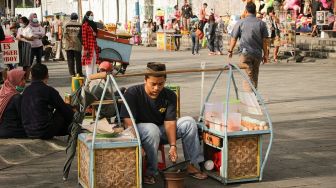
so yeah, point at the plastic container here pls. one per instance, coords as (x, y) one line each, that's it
(234, 105)
(213, 115)
(233, 123)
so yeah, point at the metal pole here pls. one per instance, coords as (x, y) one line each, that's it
(12, 7)
(79, 5)
(117, 1)
(126, 12)
(7, 9)
(137, 13)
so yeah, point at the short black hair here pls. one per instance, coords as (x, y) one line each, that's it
(251, 8)
(39, 71)
(24, 20)
(153, 67)
(270, 9)
(57, 16)
(205, 4)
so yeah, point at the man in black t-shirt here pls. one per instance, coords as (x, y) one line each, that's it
(154, 109)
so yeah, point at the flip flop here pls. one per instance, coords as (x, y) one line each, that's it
(198, 175)
(149, 180)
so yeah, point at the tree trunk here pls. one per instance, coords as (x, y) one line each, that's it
(149, 9)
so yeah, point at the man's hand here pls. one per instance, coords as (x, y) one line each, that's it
(173, 154)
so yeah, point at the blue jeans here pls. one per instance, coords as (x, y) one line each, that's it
(152, 135)
(195, 43)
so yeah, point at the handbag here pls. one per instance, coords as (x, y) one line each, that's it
(199, 34)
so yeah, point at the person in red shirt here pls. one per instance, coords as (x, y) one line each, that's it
(90, 49)
(177, 13)
(203, 12)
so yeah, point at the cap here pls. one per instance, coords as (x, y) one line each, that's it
(105, 66)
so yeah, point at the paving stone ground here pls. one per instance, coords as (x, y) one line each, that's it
(300, 97)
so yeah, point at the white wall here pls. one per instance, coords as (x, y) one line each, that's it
(27, 11)
(56, 6)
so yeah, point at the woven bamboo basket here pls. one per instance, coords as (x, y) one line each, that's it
(113, 167)
(243, 157)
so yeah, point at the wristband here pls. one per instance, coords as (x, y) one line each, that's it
(230, 51)
(173, 145)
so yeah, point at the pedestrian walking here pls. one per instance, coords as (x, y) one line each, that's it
(90, 48)
(36, 44)
(195, 34)
(219, 33)
(211, 34)
(72, 45)
(252, 33)
(273, 37)
(177, 34)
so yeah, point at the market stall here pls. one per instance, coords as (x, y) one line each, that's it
(287, 27)
(165, 40)
(109, 156)
(234, 147)
(234, 131)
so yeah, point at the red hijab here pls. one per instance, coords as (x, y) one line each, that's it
(8, 89)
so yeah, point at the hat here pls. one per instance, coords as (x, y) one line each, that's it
(105, 66)
(74, 16)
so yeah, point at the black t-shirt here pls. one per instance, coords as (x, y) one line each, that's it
(148, 110)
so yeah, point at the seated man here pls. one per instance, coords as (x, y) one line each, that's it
(44, 113)
(154, 109)
(10, 105)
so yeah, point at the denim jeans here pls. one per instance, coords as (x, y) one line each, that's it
(152, 135)
(195, 43)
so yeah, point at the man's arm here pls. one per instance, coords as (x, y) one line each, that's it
(235, 34)
(127, 122)
(264, 36)
(170, 127)
(233, 42)
(265, 57)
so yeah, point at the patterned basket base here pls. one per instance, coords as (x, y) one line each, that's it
(243, 157)
(114, 167)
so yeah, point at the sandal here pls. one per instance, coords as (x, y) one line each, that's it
(195, 173)
(199, 175)
(149, 180)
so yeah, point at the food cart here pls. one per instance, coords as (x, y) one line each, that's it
(234, 144)
(109, 160)
(115, 48)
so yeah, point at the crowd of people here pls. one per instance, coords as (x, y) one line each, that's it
(38, 111)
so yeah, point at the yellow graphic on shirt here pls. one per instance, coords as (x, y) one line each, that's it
(162, 110)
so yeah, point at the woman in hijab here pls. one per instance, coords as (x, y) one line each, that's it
(90, 48)
(10, 105)
(36, 44)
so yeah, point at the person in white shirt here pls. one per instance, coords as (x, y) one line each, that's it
(25, 36)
